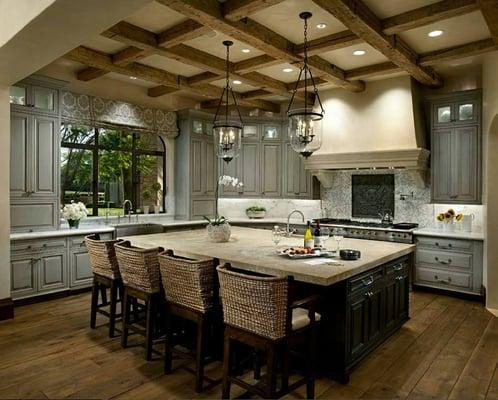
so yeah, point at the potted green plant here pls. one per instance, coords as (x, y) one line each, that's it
(255, 212)
(146, 195)
(156, 189)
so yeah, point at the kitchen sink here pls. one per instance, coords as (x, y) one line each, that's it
(132, 229)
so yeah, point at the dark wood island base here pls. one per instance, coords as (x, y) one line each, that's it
(359, 313)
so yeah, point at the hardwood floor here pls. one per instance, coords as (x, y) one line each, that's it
(448, 349)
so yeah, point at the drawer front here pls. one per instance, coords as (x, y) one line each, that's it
(444, 259)
(399, 268)
(28, 217)
(444, 243)
(37, 245)
(366, 281)
(443, 278)
(77, 243)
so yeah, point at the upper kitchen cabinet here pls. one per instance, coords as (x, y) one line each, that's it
(271, 169)
(36, 94)
(456, 148)
(297, 181)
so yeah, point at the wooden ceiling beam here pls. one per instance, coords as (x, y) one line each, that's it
(181, 32)
(489, 10)
(427, 15)
(332, 42)
(258, 62)
(129, 55)
(359, 19)
(235, 10)
(258, 103)
(90, 73)
(203, 77)
(165, 79)
(209, 13)
(370, 71)
(256, 94)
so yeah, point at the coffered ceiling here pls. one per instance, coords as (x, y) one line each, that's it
(173, 47)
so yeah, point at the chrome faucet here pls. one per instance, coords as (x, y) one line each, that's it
(288, 231)
(129, 209)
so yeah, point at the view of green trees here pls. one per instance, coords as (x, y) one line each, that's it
(114, 165)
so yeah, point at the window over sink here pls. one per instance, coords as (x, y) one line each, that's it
(102, 167)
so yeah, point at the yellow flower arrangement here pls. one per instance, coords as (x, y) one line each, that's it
(449, 215)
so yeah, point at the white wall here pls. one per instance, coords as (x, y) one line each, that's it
(380, 118)
(490, 175)
(4, 193)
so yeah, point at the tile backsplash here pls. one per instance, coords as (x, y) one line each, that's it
(411, 201)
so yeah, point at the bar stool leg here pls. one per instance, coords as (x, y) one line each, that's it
(310, 368)
(256, 364)
(168, 344)
(227, 357)
(285, 368)
(112, 311)
(125, 318)
(199, 373)
(95, 301)
(149, 326)
(103, 292)
(271, 376)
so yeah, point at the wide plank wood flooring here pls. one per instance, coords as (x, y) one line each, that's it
(447, 350)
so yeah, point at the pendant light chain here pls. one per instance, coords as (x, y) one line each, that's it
(305, 64)
(227, 83)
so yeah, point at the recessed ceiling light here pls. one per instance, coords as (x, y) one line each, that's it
(287, 70)
(321, 25)
(359, 52)
(133, 77)
(236, 82)
(436, 33)
(246, 51)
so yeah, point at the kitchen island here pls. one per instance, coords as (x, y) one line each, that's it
(362, 302)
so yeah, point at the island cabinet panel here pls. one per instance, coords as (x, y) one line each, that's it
(360, 313)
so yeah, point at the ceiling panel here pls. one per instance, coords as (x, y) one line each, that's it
(156, 17)
(276, 72)
(212, 43)
(283, 18)
(124, 78)
(457, 30)
(345, 59)
(388, 8)
(170, 65)
(104, 44)
(242, 88)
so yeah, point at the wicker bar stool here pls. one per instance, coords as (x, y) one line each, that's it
(258, 313)
(140, 272)
(191, 292)
(105, 276)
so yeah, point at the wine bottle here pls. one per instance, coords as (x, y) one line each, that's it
(318, 235)
(308, 237)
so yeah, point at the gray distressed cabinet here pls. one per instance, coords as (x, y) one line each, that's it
(34, 161)
(267, 165)
(456, 148)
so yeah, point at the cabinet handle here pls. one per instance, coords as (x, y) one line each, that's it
(368, 294)
(398, 267)
(443, 262)
(400, 278)
(369, 281)
(442, 280)
(454, 196)
(82, 244)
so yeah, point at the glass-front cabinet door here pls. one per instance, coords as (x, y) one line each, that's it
(18, 95)
(466, 112)
(197, 127)
(443, 114)
(250, 132)
(44, 99)
(271, 132)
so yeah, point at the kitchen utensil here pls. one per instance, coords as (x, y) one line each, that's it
(405, 225)
(350, 255)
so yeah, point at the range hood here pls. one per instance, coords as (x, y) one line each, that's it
(382, 127)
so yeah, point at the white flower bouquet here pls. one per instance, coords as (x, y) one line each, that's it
(73, 213)
(227, 180)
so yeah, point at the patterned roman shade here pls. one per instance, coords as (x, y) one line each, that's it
(97, 111)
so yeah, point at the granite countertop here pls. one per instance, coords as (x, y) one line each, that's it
(474, 235)
(252, 249)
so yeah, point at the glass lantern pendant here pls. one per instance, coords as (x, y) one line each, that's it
(227, 131)
(305, 123)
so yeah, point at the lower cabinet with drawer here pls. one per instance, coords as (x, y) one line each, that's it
(449, 264)
(367, 309)
(49, 265)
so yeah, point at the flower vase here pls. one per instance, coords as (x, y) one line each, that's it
(218, 233)
(73, 223)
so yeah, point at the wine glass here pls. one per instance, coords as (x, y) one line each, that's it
(325, 236)
(276, 235)
(338, 239)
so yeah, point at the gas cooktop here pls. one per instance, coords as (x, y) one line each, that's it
(348, 222)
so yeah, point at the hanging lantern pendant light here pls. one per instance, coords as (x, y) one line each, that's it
(305, 130)
(227, 132)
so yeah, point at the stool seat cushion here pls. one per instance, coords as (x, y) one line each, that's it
(300, 318)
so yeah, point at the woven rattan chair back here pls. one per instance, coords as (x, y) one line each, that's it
(102, 256)
(139, 267)
(258, 304)
(188, 282)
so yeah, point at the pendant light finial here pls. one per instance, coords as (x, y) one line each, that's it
(305, 133)
(227, 131)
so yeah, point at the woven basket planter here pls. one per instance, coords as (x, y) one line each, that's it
(218, 233)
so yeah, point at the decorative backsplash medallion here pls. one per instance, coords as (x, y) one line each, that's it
(372, 195)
